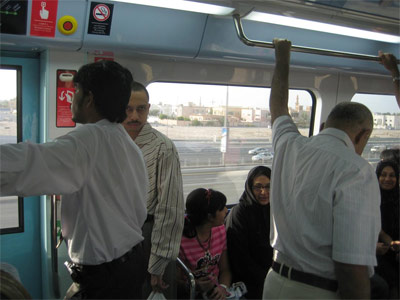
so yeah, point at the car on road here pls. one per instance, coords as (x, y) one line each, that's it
(262, 156)
(378, 148)
(258, 150)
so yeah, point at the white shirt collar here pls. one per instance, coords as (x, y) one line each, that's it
(339, 134)
(103, 121)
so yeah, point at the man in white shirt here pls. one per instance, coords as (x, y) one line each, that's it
(324, 200)
(102, 178)
(165, 206)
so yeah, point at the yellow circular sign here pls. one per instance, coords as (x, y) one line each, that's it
(67, 25)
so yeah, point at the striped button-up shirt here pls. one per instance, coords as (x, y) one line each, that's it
(165, 197)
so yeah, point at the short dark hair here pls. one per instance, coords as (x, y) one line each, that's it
(110, 85)
(137, 86)
(199, 204)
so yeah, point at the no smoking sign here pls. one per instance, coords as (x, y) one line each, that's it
(100, 18)
(101, 12)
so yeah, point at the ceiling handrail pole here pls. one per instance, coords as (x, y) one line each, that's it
(302, 49)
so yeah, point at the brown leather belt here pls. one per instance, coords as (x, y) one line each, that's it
(307, 278)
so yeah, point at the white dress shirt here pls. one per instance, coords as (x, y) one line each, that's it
(324, 201)
(101, 175)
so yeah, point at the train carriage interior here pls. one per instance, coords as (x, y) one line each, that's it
(208, 67)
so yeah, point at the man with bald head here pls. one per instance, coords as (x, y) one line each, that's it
(324, 201)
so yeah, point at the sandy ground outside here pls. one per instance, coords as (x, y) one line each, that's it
(243, 133)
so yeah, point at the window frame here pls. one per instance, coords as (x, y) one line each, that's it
(18, 69)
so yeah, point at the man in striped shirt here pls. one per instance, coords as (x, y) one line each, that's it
(165, 206)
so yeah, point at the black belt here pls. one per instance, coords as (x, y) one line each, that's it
(307, 278)
(119, 260)
(78, 271)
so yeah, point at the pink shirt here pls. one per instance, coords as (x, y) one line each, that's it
(204, 261)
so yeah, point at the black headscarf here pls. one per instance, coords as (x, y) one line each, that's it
(379, 168)
(390, 201)
(248, 196)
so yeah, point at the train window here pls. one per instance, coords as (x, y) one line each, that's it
(386, 114)
(220, 132)
(11, 208)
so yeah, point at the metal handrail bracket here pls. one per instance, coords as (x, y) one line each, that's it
(192, 282)
(318, 51)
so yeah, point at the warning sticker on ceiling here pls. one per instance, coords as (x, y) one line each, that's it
(43, 18)
(65, 94)
(100, 18)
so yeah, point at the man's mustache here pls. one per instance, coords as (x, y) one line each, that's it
(133, 122)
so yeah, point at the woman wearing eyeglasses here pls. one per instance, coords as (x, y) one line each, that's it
(249, 250)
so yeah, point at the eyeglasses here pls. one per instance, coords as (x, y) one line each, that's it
(259, 187)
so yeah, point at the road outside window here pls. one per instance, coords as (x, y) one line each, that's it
(220, 132)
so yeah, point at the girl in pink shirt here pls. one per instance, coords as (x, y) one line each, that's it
(203, 245)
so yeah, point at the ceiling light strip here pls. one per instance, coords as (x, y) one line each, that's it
(309, 50)
(322, 27)
(184, 5)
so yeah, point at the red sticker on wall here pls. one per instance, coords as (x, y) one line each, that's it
(97, 58)
(65, 93)
(43, 17)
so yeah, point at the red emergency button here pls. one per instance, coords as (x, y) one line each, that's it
(67, 25)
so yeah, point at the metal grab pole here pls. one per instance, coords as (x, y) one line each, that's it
(318, 51)
(53, 242)
(189, 274)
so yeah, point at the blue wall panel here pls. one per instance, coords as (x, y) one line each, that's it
(150, 30)
(22, 250)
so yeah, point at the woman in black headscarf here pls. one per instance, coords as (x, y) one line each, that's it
(249, 250)
(388, 246)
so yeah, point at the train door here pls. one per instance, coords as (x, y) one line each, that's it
(57, 70)
(21, 246)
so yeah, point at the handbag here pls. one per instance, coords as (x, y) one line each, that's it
(156, 296)
(236, 290)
